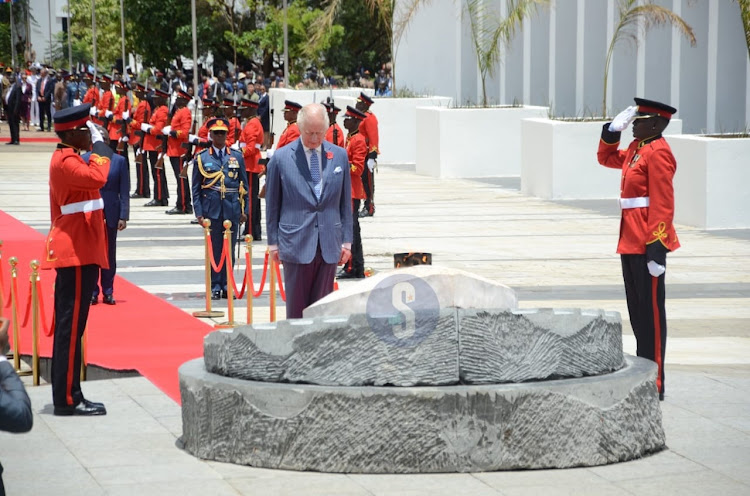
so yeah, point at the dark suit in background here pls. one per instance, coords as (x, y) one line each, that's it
(308, 231)
(13, 111)
(115, 194)
(45, 88)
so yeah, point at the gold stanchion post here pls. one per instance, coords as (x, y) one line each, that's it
(14, 315)
(249, 278)
(208, 313)
(272, 294)
(34, 323)
(230, 287)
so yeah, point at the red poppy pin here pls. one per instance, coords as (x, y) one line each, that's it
(329, 155)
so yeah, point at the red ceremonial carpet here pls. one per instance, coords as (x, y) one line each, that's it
(141, 332)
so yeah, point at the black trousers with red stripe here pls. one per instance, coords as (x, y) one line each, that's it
(161, 193)
(143, 182)
(183, 186)
(648, 317)
(73, 289)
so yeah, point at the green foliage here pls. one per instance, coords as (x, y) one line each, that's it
(58, 56)
(633, 23)
(159, 31)
(492, 34)
(745, 14)
(108, 39)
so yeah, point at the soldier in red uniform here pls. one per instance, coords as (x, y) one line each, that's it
(235, 127)
(154, 145)
(369, 129)
(291, 132)
(646, 230)
(178, 132)
(334, 134)
(356, 149)
(142, 116)
(107, 103)
(251, 141)
(120, 118)
(76, 247)
(92, 95)
(208, 111)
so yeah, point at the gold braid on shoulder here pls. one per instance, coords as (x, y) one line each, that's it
(213, 177)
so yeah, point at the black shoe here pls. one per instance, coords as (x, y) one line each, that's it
(341, 273)
(257, 238)
(10, 143)
(91, 403)
(194, 221)
(175, 211)
(108, 300)
(189, 210)
(153, 203)
(351, 275)
(364, 213)
(215, 295)
(84, 408)
(136, 195)
(225, 295)
(94, 300)
(661, 396)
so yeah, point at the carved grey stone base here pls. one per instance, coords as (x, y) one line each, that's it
(547, 424)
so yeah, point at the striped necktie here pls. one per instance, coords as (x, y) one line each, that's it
(315, 172)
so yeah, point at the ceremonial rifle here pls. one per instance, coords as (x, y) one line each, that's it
(124, 124)
(187, 157)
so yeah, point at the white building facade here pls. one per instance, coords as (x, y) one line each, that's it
(557, 60)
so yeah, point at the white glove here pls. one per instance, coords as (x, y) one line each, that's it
(655, 269)
(146, 127)
(193, 139)
(261, 182)
(125, 139)
(165, 130)
(125, 115)
(76, 102)
(140, 150)
(108, 114)
(371, 164)
(257, 145)
(96, 136)
(235, 146)
(623, 119)
(269, 153)
(92, 111)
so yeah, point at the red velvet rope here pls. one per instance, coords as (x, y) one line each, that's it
(2, 285)
(28, 308)
(240, 293)
(48, 330)
(262, 278)
(211, 256)
(281, 284)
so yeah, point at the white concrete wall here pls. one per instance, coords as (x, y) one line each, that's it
(477, 142)
(710, 183)
(557, 60)
(44, 12)
(559, 159)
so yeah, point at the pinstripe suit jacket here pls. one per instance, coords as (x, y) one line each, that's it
(296, 220)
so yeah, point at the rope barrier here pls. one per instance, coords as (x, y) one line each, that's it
(281, 284)
(211, 256)
(28, 308)
(240, 293)
(262, 278)
(48, 330)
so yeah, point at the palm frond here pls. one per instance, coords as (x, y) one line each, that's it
(403, 17)
(745, 14)
(323, 23)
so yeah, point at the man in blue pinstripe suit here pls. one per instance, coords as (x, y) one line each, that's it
(308, 211)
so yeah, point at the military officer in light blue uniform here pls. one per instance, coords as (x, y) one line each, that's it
(220, 193)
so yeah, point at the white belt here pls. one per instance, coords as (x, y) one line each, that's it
(641, 201)
(82, 206)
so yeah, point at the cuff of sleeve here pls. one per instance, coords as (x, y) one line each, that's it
(610, 137)
(348, 246)
(273, 247)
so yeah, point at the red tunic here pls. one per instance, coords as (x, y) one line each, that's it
(158, 119)
(181, 122)
(77, 238)
(339, 135)
(647, 171)
(356, 149)
(92, 96)
(369, 129)
(142, 115)
(252, 135)
(115, 128)
(235, 129)
(290, 134)
(106, 103)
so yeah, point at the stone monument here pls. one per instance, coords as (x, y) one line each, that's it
(422, 369)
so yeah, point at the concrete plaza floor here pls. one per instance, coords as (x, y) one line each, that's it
(554, 254)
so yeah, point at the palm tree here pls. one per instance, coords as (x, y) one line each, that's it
(492, 34)
(745, 13)
(635, 20)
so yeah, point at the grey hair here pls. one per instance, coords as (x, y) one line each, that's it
(311, 110)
